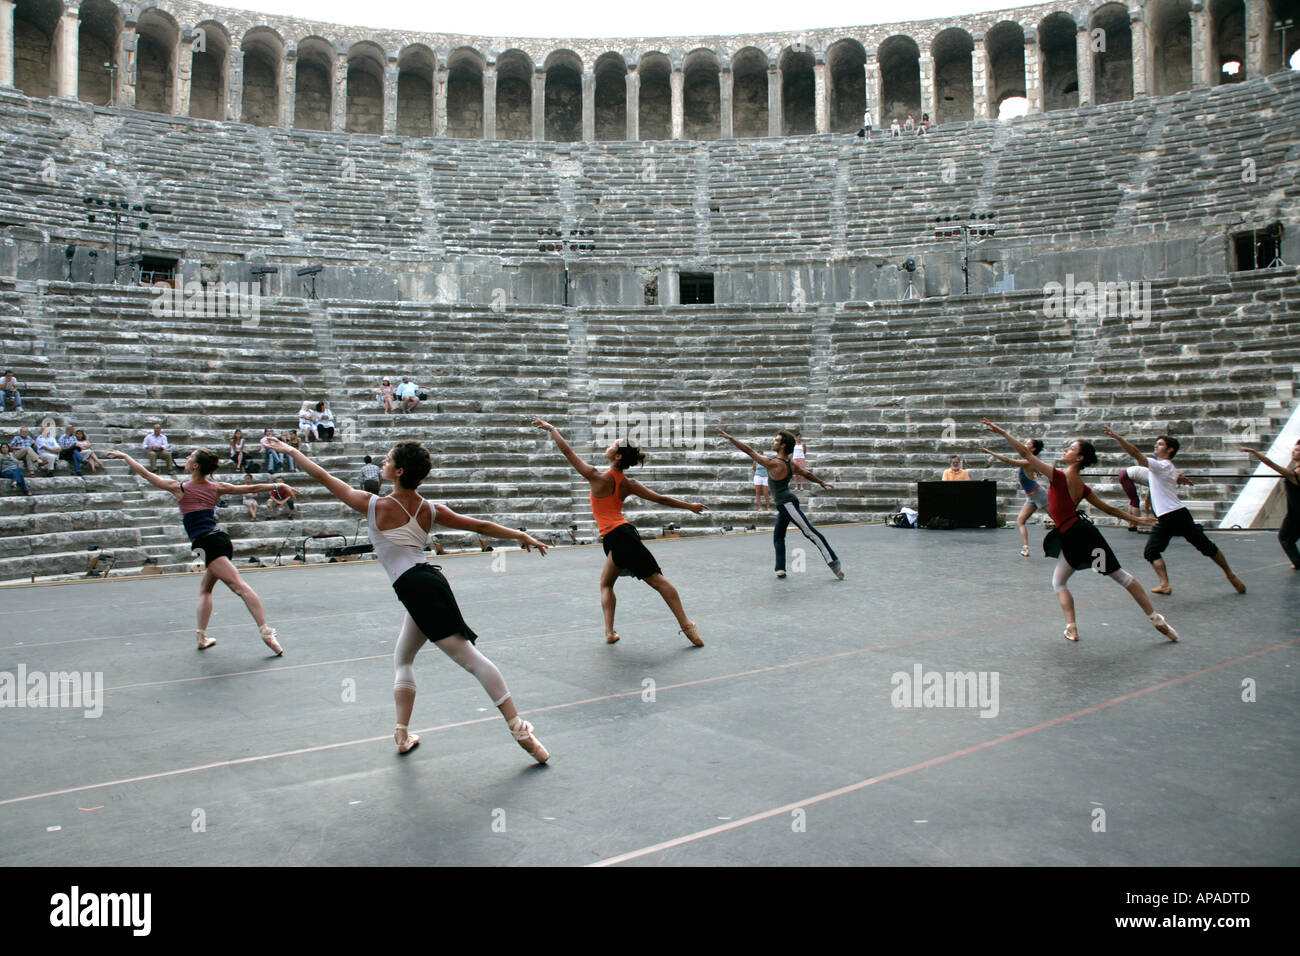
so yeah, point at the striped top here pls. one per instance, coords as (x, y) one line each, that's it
(199, 507)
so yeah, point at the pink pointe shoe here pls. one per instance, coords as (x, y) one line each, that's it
(523, 732)
(405, 742)
(203, 640)
(268, 637)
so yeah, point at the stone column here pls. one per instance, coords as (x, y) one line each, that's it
(1083, 65)
(539, 104)
(288, 88)
(490, 101)
(7, 43)
(127, 56)
(340, 119)
(872, 70)
(979, 80)
(725, 94)
(1259, 30)
(1033, 76)
(1138, 27)
(234, 103)
(1201, 66)
(676, 83)
(821, 102)
(390, 97)
(633, 105)
(440, 78)
(588, 107)
(66, 41)
(183, 75)
(928, 88)
(775, 127)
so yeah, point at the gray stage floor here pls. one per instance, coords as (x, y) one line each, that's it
(778, 742)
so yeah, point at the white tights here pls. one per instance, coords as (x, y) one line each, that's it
(1063, 572)
(457, 648)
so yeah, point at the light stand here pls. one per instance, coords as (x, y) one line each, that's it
(553, 240)
(1281, 26)
(949, 227)
(118, 209)
(910, 267)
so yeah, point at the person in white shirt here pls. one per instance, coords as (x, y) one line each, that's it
(408, 392)
(307, 423)
(865, 132)
(159, 449)
(47, 449)
(1173, 518)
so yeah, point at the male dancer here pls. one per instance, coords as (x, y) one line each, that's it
(779, 471)
(1173, 518)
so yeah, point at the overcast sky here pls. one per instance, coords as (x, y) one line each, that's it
(611, 18)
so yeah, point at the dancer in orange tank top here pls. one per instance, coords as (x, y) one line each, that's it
(623, 547)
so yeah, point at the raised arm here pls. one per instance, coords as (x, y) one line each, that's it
(166, 484)
(581, 467)
(1092, 499)
(1289, 474)
(1032, 460)
(801, 470)
(226, 488)
(635, 487)
(354, 498)
(458, 522)
(1128, 446)
(1010, 461)
(763, 460)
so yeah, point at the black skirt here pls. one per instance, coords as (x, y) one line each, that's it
(624, 545)
(1083, 546)
(427, 597)
(213, 545)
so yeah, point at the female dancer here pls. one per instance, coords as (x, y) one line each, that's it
(1290, 532)
(1081, 544)
(1035, 492)
(623, 547)
(780, 470)
(399, 528)
(198, 503)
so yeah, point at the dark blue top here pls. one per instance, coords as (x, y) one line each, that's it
(1027, 483)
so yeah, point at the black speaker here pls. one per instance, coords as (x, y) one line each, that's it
(967, 504)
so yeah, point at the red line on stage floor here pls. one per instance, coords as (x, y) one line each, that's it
(871, 781)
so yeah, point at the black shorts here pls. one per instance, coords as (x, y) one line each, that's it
(213, 545)
(371, 485)
(1082, 544)
(1178, 523)
(624, 545)
(427, 597)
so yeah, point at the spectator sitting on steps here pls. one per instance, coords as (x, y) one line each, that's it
(47, 447)
(9, 393)
(370, 476)
(69, 451)
(23, 447)
(386, 396)
(955, 471)
(408, 392)
(88, 451)
(158, 447)
(250, 498)
(894, 128)
(271, 459)
(910, 125)
(290, 438)
(307, 424)
(11, 469)
(281, 498)
(324, 421)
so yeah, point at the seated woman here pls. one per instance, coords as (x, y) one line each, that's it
(307, 423)
(88, 455)
(386, 396)
(324, 421)
(250, 498)
(237, 449)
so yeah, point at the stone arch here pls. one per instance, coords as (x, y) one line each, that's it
(1112, 68)
(900, 79)
(798, 91)
(954, 91)
(655, 98)
(157, 36)
(35, 54)
(263, 52)
(1004, 47)
(749, 93)
(847, 85)
(1170, 45)
(1227, 22)
(416, 66)
(465, 93)
(313, 96)
(1057, 61)
(562, 119)
(208, 70)
(610, 94)
(365, 88)
(98, 33)
(701, 95)
(515, 95)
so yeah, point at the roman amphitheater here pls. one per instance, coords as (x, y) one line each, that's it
(687, 230)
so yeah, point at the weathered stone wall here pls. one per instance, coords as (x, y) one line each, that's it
(261, 105)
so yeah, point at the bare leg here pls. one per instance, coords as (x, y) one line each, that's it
(1139, 593)
(229, 574)
(1235, 581)
(409, 642)
(1024, 516)
(205, 607)
(608, 575)
(1063, 596)
(674, 602)
(1163, 573)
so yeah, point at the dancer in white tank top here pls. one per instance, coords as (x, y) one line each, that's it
(432, 613)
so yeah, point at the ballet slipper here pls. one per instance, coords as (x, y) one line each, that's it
(692, 634)
(1237, 583)
(406, 742)
(523, 732)
(1072, 632)
(1163, 626)
(204, 640)
(1162, 589)
(1024, 552)
(268, 636)
(611, 637)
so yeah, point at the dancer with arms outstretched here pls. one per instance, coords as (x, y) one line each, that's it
(1290, 532)
(1035, 492)
(399, 529)
(624, 550)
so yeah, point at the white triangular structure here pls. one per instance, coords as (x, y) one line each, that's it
(1262, 503)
